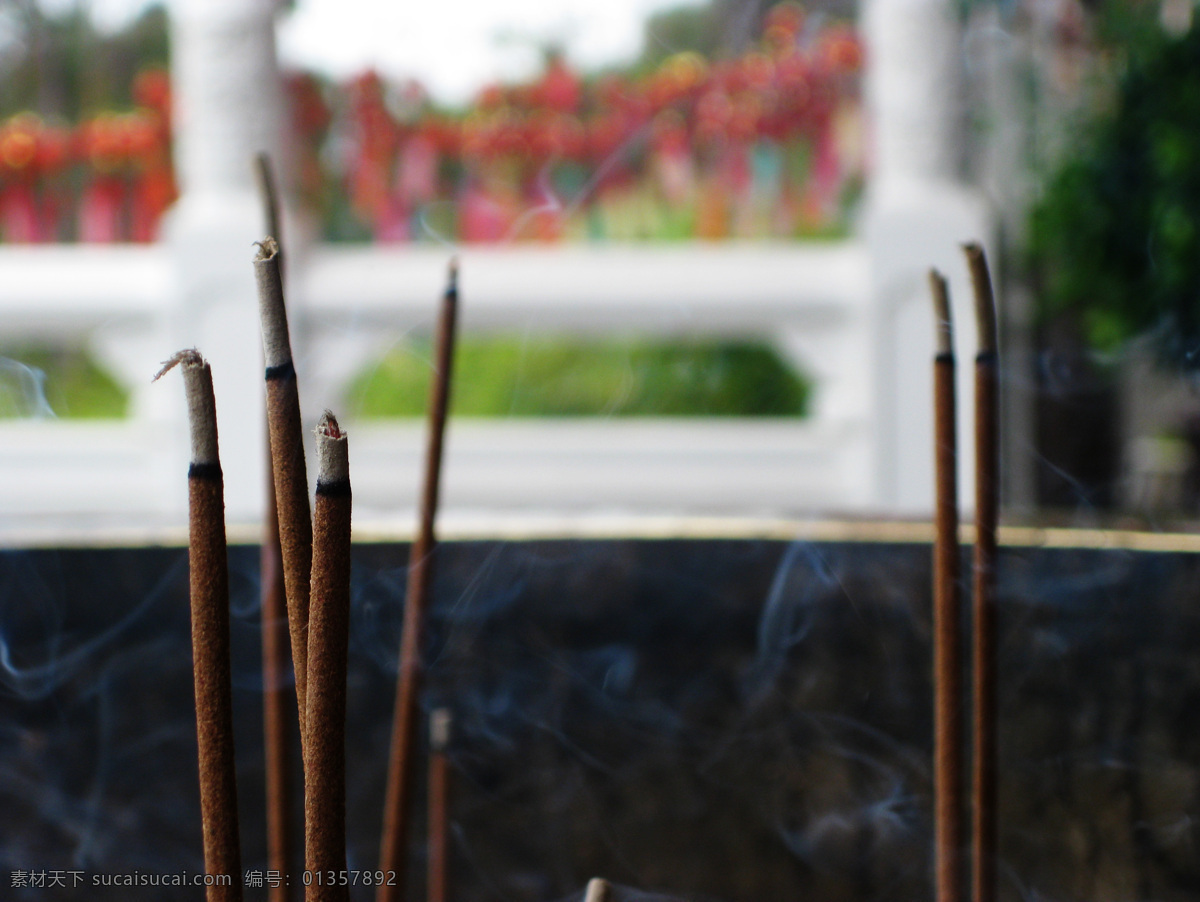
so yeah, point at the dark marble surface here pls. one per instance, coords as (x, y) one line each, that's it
(724, 720)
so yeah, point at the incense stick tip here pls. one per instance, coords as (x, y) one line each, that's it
(333, 457)
(452, 274)
(985, 299)
(327, 427)
(186, 357)
(944, 320)
(268, 249)
(598, 890)
(440, 722)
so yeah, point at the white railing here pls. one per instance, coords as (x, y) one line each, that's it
(856, 314)
(350, 303)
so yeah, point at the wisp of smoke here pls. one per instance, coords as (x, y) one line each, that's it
(23, 389)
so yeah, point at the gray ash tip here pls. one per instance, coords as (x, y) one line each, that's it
(268, 249)
(186, 357)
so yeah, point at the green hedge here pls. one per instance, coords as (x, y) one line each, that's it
(510, 376)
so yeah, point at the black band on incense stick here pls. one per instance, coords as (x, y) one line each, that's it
(204, 471)
(283, 371)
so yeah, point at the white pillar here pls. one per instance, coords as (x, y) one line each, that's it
(918, 215)
(228, 106)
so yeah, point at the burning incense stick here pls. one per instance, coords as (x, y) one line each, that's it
(328, 635)
(209, 582)
(275, 705)
(598, 890)
(287, 455)
(274, 621)
(987, 501)
(399, 782)
(439, 806)
(947, 616)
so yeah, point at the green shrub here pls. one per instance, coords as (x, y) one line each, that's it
(1116, 235)
(547, 377)
(38, 381)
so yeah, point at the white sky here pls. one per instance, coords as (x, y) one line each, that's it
(453, 46)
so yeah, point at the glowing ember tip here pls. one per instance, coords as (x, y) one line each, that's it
(328, 426)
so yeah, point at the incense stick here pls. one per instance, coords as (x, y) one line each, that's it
(275, 651)
(276, 744)
(401, 764)
(328, 635)
(598, 890)
(987, 500)
(947, 615)
(265, 176)
(209, 591)
(287, 455)
(439, 806)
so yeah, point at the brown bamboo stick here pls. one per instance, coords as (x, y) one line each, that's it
(393, 845)
(208, 568)
(948, 738)
(438, 882)
(287, 455)
(275, 652)
(598, 890)
(987, 502)
(328, 637)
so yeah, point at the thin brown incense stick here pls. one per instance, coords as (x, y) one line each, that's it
(265, 175)
(948, 744)
(393, 845)
(287, 455)
(209, 581)
(438, 882)
(987, 502)
(328, 635)
(598, 890)
(275, 651)
(276, 745)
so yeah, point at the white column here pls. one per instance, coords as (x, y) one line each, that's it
(227, 107)
(918, 215)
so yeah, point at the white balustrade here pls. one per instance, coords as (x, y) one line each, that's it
(853, 313)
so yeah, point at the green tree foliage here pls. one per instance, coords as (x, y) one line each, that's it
(1116, 236)
(674, 30)
(63, 67)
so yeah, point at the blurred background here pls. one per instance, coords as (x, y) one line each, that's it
(694, 242)
(685, 645)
